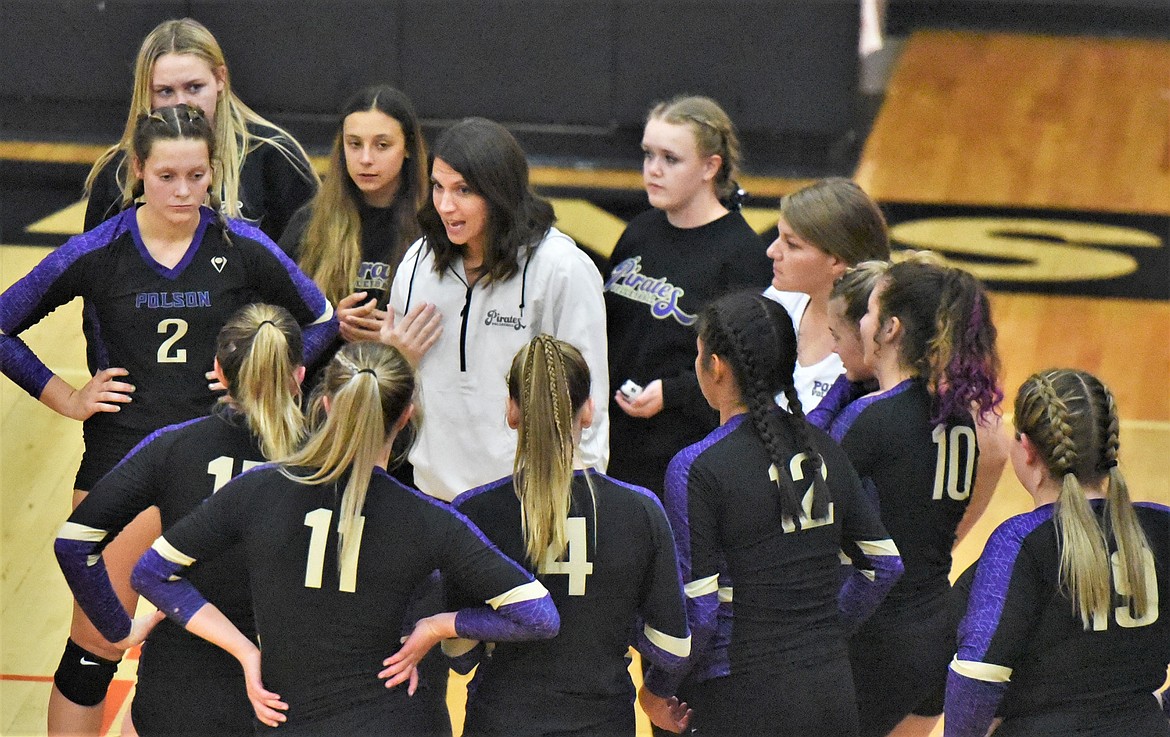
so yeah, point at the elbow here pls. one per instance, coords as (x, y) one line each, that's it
(547, 624)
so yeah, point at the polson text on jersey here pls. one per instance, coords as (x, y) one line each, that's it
(162, 300)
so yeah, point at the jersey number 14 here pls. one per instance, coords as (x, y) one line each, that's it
(576, 564)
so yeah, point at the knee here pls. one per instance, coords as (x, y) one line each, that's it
(82, 676)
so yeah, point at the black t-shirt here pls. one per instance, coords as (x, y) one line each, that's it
(619, 569)
(922, 475)
(660, 277)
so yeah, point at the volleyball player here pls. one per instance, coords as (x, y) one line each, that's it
(928, 336)
(158, 281)
(601, 547)
(692, 246)
(761, 509)
(1063, 633)
(264, 176)
(334, 547)
(185, 685)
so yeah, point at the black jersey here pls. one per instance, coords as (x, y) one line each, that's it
(176, 469)
(158, 323)
(1020, 627)
(923, 475)
(659, 279)
(324, 629)
(619, 568)
(764, 588)
(272, 185)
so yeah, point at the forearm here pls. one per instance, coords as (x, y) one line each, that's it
(864, 590)
(319, 336)
(89, 582)
(58, 395)
(531, 616)
(19, 363)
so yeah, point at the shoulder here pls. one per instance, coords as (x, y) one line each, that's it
(90, 241)
(558, 255)
(481, 494)
(693, 455)
(1005, 542)
(793, 302)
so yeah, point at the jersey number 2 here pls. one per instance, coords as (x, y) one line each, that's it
(957, 445)
(576, 564)
(318, 520)
(165, 354)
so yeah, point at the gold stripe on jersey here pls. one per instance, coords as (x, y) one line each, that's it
(453, 647)
(171, 553)
(528, 592)
(982, 671)
(726, 594)
(326, 316)
(702, 587)
(678, 646)
(84, 533)
(878, 547)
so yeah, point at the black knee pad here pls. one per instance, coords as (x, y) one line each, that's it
(83, 677)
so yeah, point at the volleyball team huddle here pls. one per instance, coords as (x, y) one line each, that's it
(433, 421)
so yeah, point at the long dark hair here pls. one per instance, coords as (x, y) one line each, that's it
(331, 248)
(492, 163)
(754, 335)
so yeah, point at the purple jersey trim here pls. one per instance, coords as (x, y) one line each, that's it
(970, 705)
(205, 215)
(840, 426)
(992, 578)
(472, 493)
(91, 587)
(1153, 505)
(859, 597)
(535, 619)
(315, 337)
(840, 394)
(177, 598)
(457, 514)
(19, 302)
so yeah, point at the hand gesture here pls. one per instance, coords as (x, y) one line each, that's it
(358, 320)
(102, 393)
(403, 665)
(647, 404)
(415, 333)
(668, 714)
(140, 627)
(268, 707)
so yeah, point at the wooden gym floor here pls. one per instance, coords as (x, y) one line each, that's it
(1040, 163)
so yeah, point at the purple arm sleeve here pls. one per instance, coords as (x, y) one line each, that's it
(157, 579)
(91, 587)
(317, 338)
(970, 705)
(701, 616)
(839, 395)
(535, 619)
(860, 597)
(658, 657)
(20, 364)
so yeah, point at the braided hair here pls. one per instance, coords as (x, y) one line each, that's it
(755, 336)
(549, 381)
(1071, 419)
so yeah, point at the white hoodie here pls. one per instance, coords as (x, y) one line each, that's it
(465, 441)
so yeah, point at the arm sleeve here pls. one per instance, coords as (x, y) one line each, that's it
(877, 564)
(518, 606)
(578, 317)
(52, 283)
(663, 637)
(840, 394)
(279, 281)
(1000, 617)
(691, 507)
(113, 503)
(211, 528)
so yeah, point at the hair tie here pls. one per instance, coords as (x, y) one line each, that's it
(1108, 465)
(266, 322)
(736, 199)
(369, 371)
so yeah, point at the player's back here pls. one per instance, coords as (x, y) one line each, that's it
(619, 563)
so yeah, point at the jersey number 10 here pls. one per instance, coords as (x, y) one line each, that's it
(953, 447)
